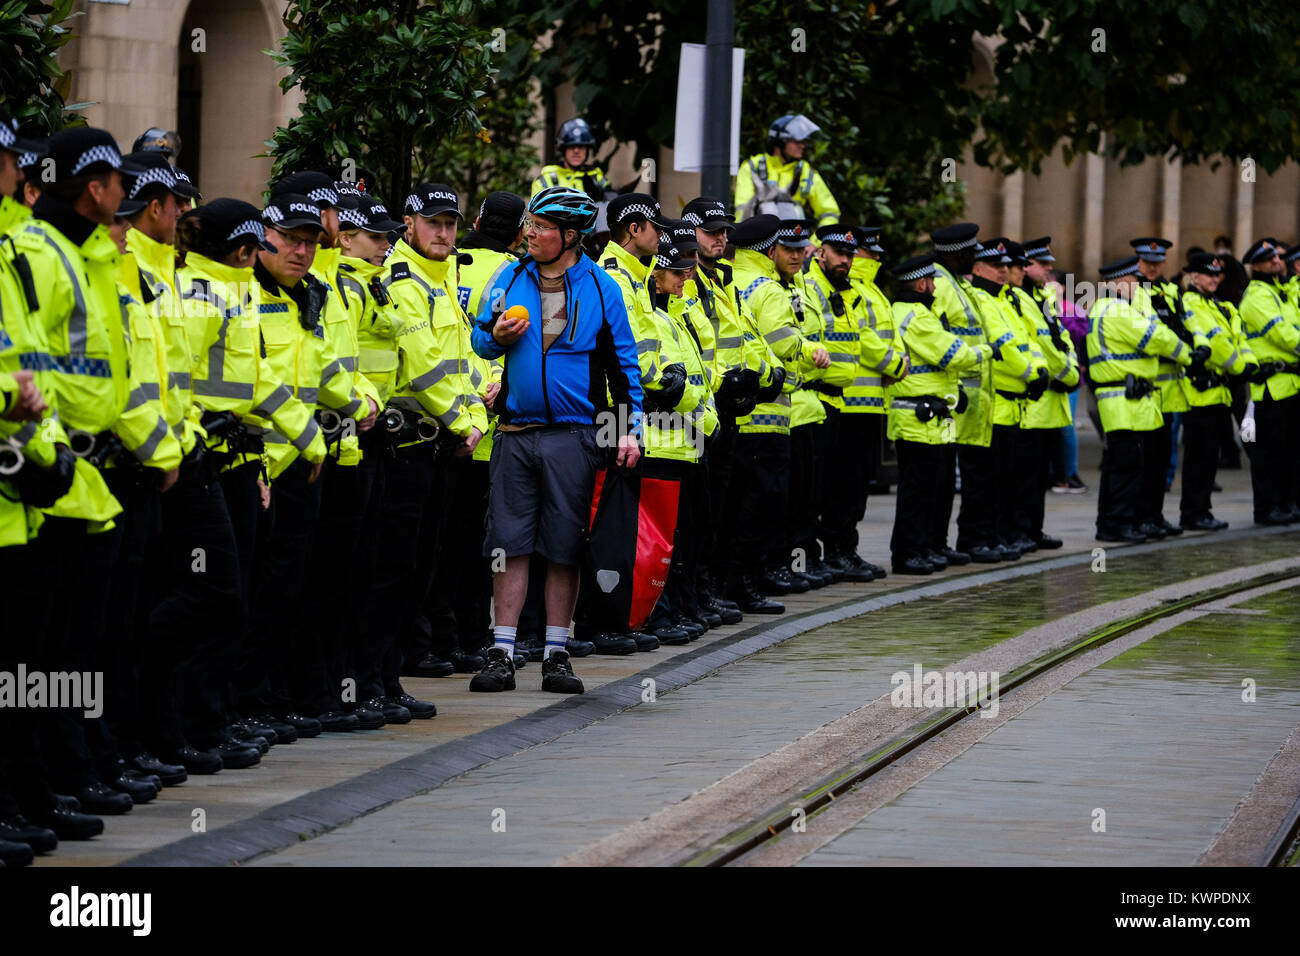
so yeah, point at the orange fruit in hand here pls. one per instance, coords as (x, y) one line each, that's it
(518, 312)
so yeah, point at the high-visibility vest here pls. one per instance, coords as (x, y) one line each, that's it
(1122, 341)
(955, 307)
(1270, 319)
(879, 354)
(1052, 410)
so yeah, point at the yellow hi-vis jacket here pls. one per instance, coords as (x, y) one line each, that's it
(473, 278)
(1220, 324)
(938, 360)
(432, 340)
(879, 357)
(736, 342)
(341, 321)
(1052, 410)
(858, 355)
(146, 427)
(797, 179)
(1269, 316)
(672, 434)
(1169, 375)
(1122, 341)
(805, 405)
(1012, 364)
(954, 306)
(229, 372)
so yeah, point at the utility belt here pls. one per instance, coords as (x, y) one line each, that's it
(401, 426)
(1011, 396)
(101, 449)
(1133, 386)
(835, 391)
(1205, 380)
(227, 427)
(1277, 367)
(926, 407)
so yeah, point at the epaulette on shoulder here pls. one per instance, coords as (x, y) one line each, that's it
(399, 270)
(610, 263)
(726, 271)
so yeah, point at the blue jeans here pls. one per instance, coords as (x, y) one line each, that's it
(1070, 441)
(1176, 430)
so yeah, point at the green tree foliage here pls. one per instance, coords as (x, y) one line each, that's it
(32, 86)
(383, 85)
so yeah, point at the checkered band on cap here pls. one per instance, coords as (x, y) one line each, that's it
(28, 159)
(353, 216)
(693, 219)
(97, 154)
(636, 209)
(761, 246)
(150, 176)
(921, 272)
(665, 258)
(845, 238)
(324, 194)
(273, 214)
(992, 252)
(1292, 255)
(955, 246)
(792, 232)
(249, 227)
(7, 135)
(1037, 252)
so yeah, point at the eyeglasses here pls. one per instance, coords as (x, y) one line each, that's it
(294, 241)
(532, 225)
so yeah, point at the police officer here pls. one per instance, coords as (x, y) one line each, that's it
(1272, 324)
(576, 145)
(1208, 396)
(780, 181)
(920, 417)
(1124, 345)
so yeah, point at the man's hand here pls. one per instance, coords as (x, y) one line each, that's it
(316, 469)
(629, 452)
(470, 443)
(168, 478)
(264, 492)
(490, 398)
(821, 358)
(29, 404)
(509, 330)
(368, 422)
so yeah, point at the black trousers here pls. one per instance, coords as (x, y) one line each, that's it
(692, 524)
(1122, 473)
(941, 509)
(1203, 427)
(759, 500)
(403, 486)
(197, 617)
(1013, 478)
(807, 446)
(458, 610)
(1036, 449)
(1157, 446)
(977, 519)
(715, 548)
(416, 640)
(244, 507)
(339, 574)
(1274, 472)
(854, 459)
(920, 479)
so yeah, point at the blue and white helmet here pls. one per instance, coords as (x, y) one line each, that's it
(574, 132)
(794, 126)
(569, 207)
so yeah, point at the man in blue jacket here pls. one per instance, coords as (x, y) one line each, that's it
(566, 361)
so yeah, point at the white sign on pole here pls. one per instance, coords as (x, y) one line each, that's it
(688, 141)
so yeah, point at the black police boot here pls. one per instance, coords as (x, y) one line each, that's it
(431, 666)
(669, 634)
(69, 824)
(170, 774)
(337, 721)
(936, 560)
(955, 558)
(304, 726)
(769, 582)
(1008, 551)
(1151, 530)
(498, 673)
(531, 648)
(18, 829)
(368, 718)
(1276, 516)
(1125, 534)
(1170, 529)
(1048, 543)
(467, 662)
(693, 629)
(420, 709)
(797, 585)
(855, 572)
(14, 855)
(913, 565)
(138, 790)
(577, 648)
(751, 601)
(236, 755)
(260, 737)
(729, 613)
(558, 676)
(194, 761)
(982, 554)
(100, 800)
(613, 643)
(393, 713)
(285, 732)
(1024, 544)
(644, 642)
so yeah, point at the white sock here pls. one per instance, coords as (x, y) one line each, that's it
(556, 638)
(504, 638)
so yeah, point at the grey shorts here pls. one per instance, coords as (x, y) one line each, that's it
(540, 499)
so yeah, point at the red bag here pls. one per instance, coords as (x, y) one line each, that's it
(629, 547)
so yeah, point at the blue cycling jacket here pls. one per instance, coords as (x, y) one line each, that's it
(596, 352)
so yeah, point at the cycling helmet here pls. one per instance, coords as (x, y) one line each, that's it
(574, 132)
(569, 207)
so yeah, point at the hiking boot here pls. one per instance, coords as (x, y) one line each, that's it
(497, 674)
(558, 676)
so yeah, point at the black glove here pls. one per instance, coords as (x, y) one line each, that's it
(1038, 386)
(41, 487)
(668, 391)
(1200, 355)
(1262, 374)
(1057, 385)
(770, 393)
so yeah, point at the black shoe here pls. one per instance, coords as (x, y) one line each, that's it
(1047, 543)
(813, 578)
(138, 790)
(877, 572)
(1009, 552)
(431, 666)
(1125, 534)
(913, 565)
(820, 569)
(728, 613)
(850, 570)
(797, 584)
(1294, 511)
(558, 676)
(14, 855)
(498, 673)
(100, 800)
(684, 623)
(669, 635)
(983, 555)
(706, 619)
(420, 709)
(1077, 487)
(1215, 487)
(1170, 529)
(836, 564)
(770, 582)
(285, 732)
(304, 726)
(1204, 523)
(955, 558)
(194, 760)
(936, 560)
(245, 734)
(393, 713)
(1024, 544)
(1151, 530)
(18, 829)
(530, 649)
(751, 600)
(1275, 517)
(609, 642)
(70, 824)
(646, 642)
(368, 718)
(170, 774)
(339, 722)
(468, 662)
(237, 756)
(577, 648)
